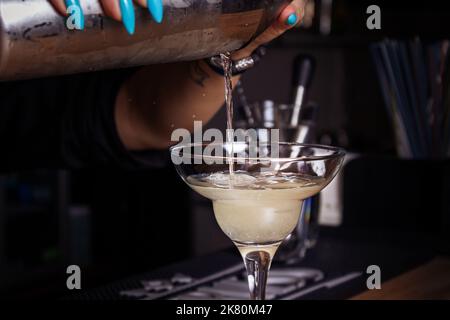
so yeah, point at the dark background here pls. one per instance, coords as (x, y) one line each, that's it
(114, 223)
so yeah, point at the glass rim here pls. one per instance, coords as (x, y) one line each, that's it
(337, 152)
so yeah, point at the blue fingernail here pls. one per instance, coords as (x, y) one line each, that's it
(156, 9)
(128, 19)
(74, 7)
(292, 19)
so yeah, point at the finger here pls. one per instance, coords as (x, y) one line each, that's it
(112, 9)
(290, 16)
(59, 6)
(154, 7)
(287, 19)
(121, 10)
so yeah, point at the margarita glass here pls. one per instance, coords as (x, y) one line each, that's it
(257, 192)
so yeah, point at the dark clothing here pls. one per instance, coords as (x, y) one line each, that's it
(65, 122)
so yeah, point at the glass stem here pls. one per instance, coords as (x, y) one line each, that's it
(257, 264)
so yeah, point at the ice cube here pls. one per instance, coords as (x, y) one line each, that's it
(239, 179)
(219, 179)
(319, 168)
(243, 179)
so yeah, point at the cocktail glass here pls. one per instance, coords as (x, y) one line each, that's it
(258, 205)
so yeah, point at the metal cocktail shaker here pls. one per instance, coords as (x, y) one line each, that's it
(35, 42)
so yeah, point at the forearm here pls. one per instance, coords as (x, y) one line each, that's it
(159, 99)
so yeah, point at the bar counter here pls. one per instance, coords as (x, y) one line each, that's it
(342, 257)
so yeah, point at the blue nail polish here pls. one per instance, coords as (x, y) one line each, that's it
(80, 18)
(292, 19)
(156, 9)
(128, 19)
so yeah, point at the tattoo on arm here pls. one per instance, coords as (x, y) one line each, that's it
(197, 74)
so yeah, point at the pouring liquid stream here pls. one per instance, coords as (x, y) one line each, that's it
(227, 68)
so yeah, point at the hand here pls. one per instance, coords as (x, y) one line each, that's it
(288, 18)
(120, 10)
